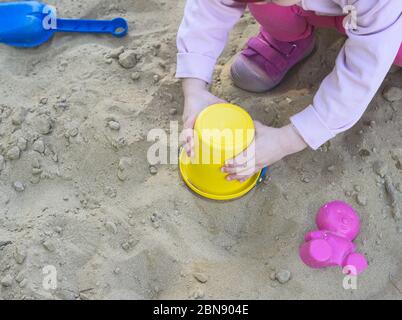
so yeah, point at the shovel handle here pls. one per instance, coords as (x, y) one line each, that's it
(263, 175)
(117, 27)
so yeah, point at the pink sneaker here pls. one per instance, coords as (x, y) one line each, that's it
(265, 62)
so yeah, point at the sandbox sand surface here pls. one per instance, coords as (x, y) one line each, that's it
(77, 192)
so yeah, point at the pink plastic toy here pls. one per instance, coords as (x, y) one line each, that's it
(331, 245)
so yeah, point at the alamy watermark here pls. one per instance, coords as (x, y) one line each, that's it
(210, 146)
(350, 21)
(49, 281)
(50, 20)
(350, 280)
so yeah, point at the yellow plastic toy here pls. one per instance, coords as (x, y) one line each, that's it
(221, 132)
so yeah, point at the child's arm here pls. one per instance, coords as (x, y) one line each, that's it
(360, 69)
(196, 98)
(345, 94)
(202, 36)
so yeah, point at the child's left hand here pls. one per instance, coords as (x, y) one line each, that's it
(270, 145)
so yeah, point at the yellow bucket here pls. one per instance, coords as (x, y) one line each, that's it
(221, 132)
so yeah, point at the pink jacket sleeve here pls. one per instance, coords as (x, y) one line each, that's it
(203, 35)
(360, 69)
(343, 96)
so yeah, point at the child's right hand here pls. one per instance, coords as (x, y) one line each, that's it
(196, 98)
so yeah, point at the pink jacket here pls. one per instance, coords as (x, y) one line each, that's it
(344, 94)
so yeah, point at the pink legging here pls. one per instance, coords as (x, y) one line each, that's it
(293, 23)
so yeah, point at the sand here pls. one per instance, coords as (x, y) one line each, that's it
(77, 192)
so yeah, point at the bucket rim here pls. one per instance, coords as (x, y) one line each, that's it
(254, 182)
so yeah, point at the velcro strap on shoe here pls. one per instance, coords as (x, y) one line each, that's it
(270, 53)
(286, 48)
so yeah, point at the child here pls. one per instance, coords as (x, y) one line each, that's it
(374, 30)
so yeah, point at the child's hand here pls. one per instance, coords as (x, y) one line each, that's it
(196, 99)
(270, 145)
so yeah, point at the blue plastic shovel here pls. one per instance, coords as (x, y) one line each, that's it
(30, 23)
